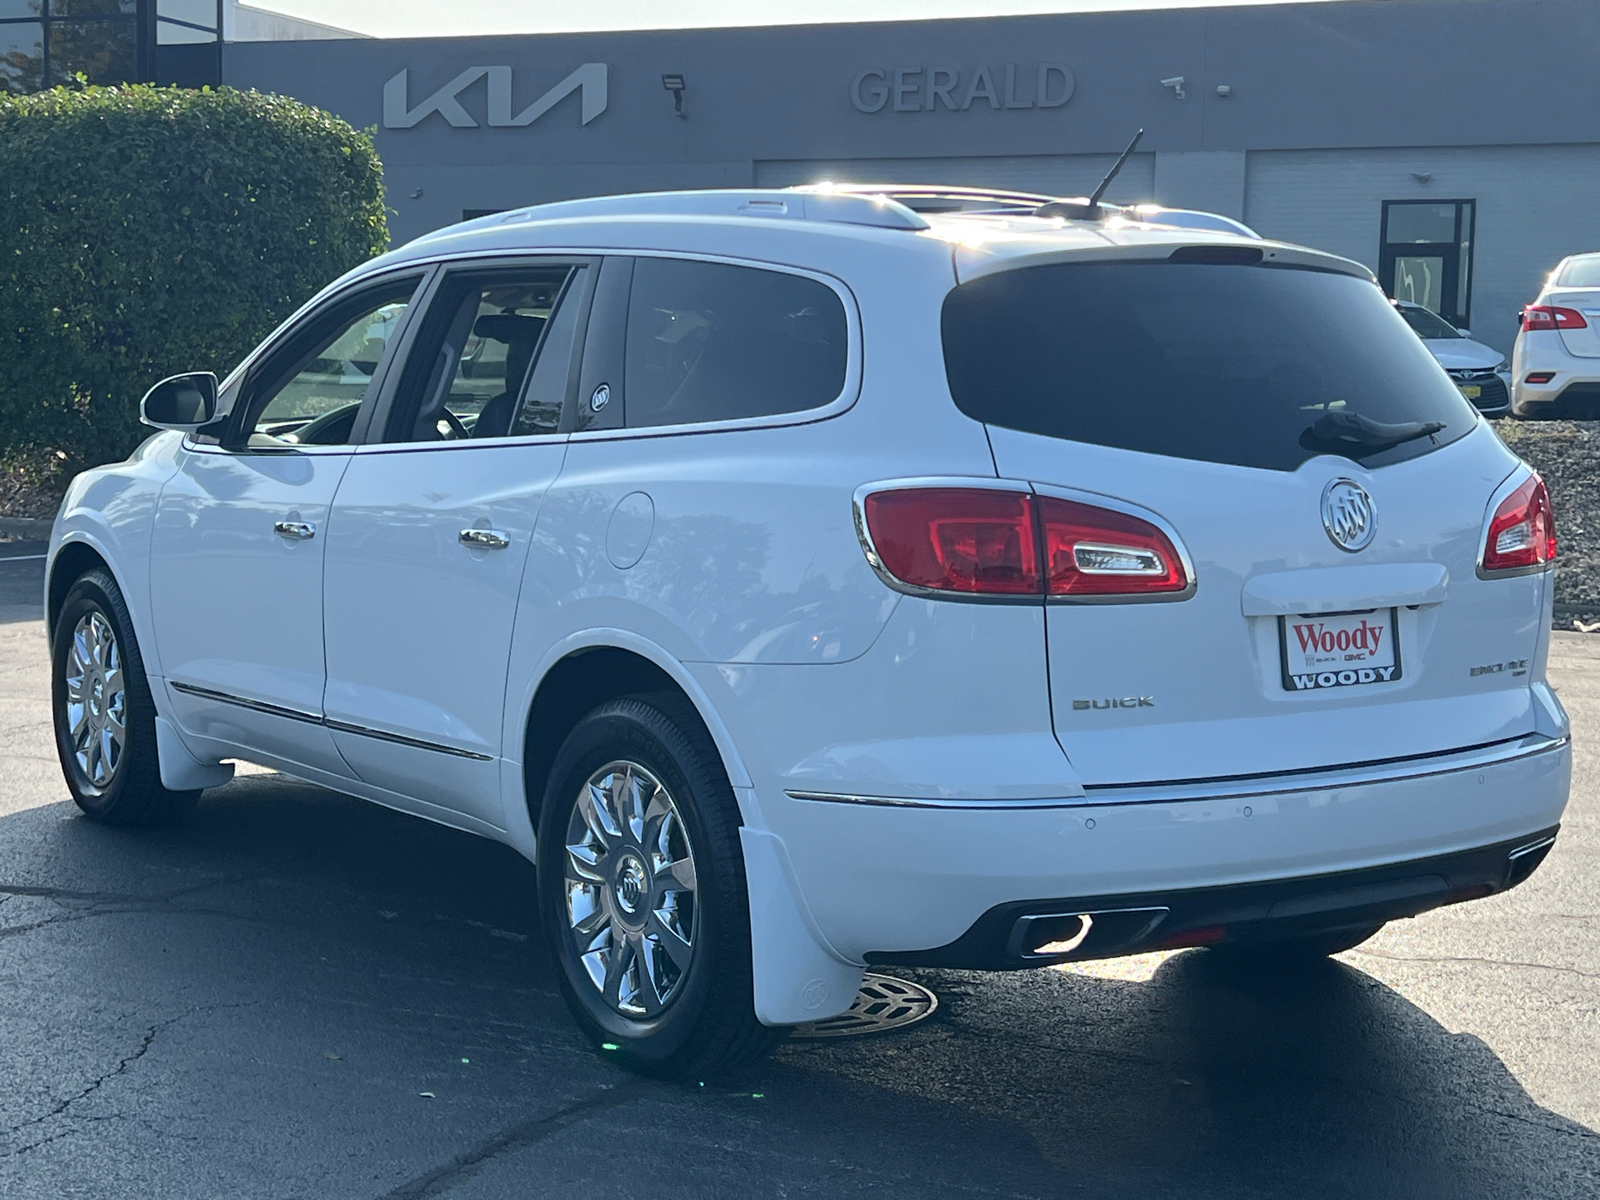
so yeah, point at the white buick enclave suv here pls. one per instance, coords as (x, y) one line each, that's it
(805, 582)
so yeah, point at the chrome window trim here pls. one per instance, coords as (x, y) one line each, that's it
(310, 718)
(845, 401)
(529, 439)
(1450, 762)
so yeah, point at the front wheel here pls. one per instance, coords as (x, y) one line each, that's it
(642, 891)
(104, 715)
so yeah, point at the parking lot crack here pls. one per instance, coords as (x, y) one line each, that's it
(63, 1107)
(464, 1166)
(93, 1086)
(1471, 960)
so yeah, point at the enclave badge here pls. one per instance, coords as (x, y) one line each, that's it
(1349, 515)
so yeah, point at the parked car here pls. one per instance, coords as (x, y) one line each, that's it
(1556, 358)
(1482, 373)
(827, 585)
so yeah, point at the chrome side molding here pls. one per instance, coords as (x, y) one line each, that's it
(294, 714)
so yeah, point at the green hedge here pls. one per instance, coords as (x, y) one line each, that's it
(147, 231)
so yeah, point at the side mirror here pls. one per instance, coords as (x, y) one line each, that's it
(184, 402)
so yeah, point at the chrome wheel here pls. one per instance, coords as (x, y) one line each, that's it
(96, 702)
(631, 889)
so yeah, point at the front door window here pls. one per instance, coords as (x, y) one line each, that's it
(309, 392)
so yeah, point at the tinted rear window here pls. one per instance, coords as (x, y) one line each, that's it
(1256, 366)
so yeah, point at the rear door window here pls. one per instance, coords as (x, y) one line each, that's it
(492, 357)
(1250, 365)
(716, 342)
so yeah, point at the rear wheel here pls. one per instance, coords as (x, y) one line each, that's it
(104, 715)
(1292, 950)
(642, 892)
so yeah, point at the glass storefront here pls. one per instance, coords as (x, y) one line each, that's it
(46, 43)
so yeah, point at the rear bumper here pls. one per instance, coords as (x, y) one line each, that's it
(887, 883)
(1037, 933)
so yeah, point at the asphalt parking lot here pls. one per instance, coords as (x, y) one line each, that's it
(300, 995)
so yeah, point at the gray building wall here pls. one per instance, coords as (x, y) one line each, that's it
(1329, 110)
(1536, 204)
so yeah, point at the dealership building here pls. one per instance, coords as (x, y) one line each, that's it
(1451, 145)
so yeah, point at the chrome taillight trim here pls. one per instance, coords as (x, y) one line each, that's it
(1510, 484)
(1094, 499)
(864, 535)
(1139, 512)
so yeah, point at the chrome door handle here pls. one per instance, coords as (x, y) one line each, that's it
(297, 530)
(485, 539)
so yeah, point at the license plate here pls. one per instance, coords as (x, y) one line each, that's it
(1339, 650)
(1470, 390)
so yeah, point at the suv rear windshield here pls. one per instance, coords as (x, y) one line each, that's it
(1256, 366)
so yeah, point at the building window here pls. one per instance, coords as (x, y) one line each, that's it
(187, 22)
(45, 43)
(1426, 255)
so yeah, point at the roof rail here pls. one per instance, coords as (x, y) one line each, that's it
(935, 198)
(874, 210)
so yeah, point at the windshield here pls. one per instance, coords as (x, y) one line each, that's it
(1583, 271)
(1255, 366)
(1428, 325)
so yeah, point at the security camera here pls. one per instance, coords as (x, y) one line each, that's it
(1176, 84)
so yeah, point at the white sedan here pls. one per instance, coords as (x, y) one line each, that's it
(1556, 360)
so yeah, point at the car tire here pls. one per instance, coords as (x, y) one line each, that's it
(642, 892)
(103, 712)
(1296, 949)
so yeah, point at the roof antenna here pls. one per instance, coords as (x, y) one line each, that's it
(1081, 208)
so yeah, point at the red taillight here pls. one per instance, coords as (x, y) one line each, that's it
(986, 541)
(975, 540)
(1522, 532)
(1540, 376)
(1092, 551)
(1544, 317)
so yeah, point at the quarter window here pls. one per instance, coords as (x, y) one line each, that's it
(716, 342)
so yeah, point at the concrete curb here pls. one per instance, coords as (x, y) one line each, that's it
(29, 528)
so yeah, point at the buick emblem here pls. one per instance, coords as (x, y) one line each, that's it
(1349, 515)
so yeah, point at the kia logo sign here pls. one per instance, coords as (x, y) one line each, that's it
(589, 80)
(1349, 515)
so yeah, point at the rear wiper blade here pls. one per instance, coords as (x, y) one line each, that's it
(1353, 435)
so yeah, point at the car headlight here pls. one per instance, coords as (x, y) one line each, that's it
(1503, 365)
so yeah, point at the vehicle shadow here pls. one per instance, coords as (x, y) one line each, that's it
(334, 957)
